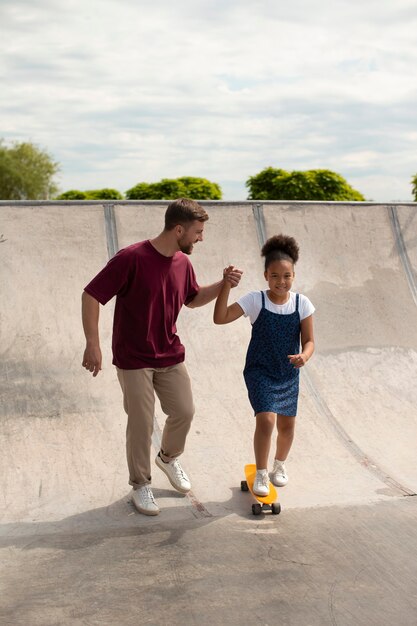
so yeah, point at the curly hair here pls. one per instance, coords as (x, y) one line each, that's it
(280, 248)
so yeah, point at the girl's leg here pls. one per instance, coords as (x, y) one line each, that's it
(285, 437)
(265, 423)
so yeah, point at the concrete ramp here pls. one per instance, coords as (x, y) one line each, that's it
(63, 472)
(357, 414)
(58, 430)
(362, 380)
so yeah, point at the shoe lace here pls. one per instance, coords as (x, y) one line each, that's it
(148, 495)
(280, 469)
(178, 470)
(262, 479)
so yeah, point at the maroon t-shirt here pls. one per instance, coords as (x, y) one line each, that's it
(151, 289)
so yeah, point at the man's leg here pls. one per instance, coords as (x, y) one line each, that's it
(139, 404)
(173, 388)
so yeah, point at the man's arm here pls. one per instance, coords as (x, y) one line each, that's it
(210, 292)
(90, 316)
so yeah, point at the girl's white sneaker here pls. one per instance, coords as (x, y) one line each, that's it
(279, 476)
(261, 483)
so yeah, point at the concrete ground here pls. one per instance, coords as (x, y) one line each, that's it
(344, 549)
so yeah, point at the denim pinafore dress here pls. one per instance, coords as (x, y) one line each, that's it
(272, 381)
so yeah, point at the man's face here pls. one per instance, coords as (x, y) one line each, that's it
(189, 235)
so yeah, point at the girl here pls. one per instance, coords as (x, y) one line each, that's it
(279, 317)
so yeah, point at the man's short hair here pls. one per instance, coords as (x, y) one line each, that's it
(184, 211)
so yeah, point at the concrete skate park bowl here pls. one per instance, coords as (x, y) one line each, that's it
(344, 549)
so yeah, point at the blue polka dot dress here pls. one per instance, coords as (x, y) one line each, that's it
(272, 381)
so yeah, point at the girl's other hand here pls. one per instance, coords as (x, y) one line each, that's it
(298, 360)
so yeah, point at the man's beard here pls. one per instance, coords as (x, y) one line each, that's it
(186, 249)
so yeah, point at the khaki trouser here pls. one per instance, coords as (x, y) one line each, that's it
(173, 387)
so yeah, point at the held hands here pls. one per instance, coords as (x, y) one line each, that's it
(232, 275)
(298, 360)
(92, 359)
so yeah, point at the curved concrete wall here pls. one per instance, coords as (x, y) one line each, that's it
(62, 432)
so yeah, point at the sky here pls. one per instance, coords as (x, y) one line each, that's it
(126, 91)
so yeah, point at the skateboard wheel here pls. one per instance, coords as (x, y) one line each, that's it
(276, 508)
(256, 509)
(244, 485)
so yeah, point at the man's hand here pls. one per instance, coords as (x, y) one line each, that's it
(90, 315)
(232, 275)
(92, 359)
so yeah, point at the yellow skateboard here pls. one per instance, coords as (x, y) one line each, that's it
(263, 503)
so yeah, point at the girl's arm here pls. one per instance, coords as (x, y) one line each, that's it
(208, 293)
(224, 314)
(307, 343)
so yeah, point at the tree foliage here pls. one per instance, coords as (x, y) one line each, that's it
(414, 183)
(92, 194)
(104, 194)
(320, 185)
(26, 172)
(72, 194)
(171, 188)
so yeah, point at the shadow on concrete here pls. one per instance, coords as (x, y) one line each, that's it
(121, 519)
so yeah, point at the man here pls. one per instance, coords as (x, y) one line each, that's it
(152, 280)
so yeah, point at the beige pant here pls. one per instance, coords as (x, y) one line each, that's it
(173, 387)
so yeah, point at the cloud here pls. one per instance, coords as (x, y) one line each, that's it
(122, 91)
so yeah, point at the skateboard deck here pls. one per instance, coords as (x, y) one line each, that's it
(263, 503)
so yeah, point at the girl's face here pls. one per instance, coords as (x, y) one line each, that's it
(280, 276)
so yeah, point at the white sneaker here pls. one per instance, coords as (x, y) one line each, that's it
(144, 501)
(261, 483)
(176, 475)
(279, 474)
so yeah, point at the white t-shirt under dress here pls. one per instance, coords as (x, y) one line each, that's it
(251, 304)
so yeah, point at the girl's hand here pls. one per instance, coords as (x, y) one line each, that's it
(232, 275)
(298, 360)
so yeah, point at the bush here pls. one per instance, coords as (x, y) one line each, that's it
(414, 183)
(201, 188)
(72, 194)
(171, 188)
(320, 185)
(104, 194)
(92, 194)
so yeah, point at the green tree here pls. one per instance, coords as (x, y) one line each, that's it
(92, 194)
(201, 188)
(320, 185)
(72, 194)
(414, 183)
(171, 188)
(104, 194)
(141, 191)
(26, 172)
(166, 189)
(262, 185)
